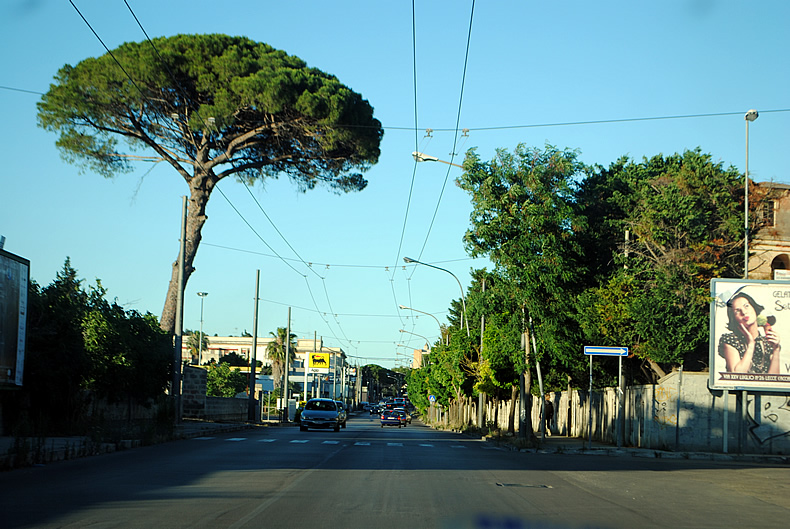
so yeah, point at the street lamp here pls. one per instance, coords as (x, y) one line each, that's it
(463, 302)
(200, 340)
(750, 116)
(403, 307)
(422, 157)
(427, 342)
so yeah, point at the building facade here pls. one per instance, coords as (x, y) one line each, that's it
(769, 252)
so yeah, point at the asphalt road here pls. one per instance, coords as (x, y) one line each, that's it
(368, 477)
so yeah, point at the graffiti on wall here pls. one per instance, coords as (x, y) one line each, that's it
(772, 419)
(664, 400)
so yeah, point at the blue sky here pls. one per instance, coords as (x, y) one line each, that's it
(573, 74)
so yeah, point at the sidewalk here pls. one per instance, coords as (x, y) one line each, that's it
(557, 444)
(33, 451)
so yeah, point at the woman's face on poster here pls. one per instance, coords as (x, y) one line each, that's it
(743, 311)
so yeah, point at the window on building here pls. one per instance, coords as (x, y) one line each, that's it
(769, 213)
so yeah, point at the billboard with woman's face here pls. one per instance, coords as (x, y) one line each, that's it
(750, 335)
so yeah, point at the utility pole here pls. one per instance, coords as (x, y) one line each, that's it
(253, 357)
(179, 320)
(481, 397)
(287, 363)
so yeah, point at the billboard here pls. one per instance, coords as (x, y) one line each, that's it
(750, 335)
(14, 279)
(318, 363)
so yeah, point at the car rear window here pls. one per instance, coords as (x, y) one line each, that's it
(320, 405)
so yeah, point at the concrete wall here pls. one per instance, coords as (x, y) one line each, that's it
(680, 413)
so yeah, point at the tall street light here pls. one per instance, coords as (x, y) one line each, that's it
(422, 157)
(750, 116)
(427, 341)
(404, 307)
(463, 302)
(200, 341)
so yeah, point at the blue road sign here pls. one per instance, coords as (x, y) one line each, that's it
(605, 351)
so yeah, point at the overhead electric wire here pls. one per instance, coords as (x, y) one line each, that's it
(455, 139)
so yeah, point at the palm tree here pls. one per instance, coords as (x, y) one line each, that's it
(276, 351)
(193, 342)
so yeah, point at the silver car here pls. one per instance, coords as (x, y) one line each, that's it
(320, 413)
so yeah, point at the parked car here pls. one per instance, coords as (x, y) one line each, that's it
(406, 415)
(320, 413)
(391, 418)
(341, 409)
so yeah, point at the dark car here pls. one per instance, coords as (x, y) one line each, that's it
(320, 413)
(392, 418)
(341, 408)
(406, 415)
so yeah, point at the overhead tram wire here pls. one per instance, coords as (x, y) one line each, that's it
(175, 80)
(414, 167)
(455, 138)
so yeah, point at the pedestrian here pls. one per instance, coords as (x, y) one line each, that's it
(548, 414)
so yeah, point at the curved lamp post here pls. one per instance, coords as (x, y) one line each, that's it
(750, 116)
(427, 341)
(463, 302)
(422, 157)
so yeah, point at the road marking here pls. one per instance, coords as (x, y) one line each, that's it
(237, 439)
(330, 442)
(457, 446)
(427, 445)
(394, 444)
(203, 438)
(266, 440)
(361, 443)
(301, 441)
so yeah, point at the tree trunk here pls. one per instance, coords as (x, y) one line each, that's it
(511, 420)
(200, 190)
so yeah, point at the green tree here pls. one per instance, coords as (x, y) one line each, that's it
(56, 359)
(276, 350)
(211, 106)
(82, 346)
(195, 346)
(526, 219)
(224, 381)
(684, 219)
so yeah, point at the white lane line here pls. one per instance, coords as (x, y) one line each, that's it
(237, 439)
(301, 441)
(394, 444)
(361, 443)
(426, 445)
(457, 446)
(266, 440)
(203, 438)
(330, 442)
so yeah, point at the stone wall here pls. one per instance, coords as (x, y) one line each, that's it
(196, 405)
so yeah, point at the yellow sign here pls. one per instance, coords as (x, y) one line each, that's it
(318, 362)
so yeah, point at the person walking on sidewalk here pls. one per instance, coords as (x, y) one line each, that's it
(548, 414)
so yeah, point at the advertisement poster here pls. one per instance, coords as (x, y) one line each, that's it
(750, 335)
(14, 277)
